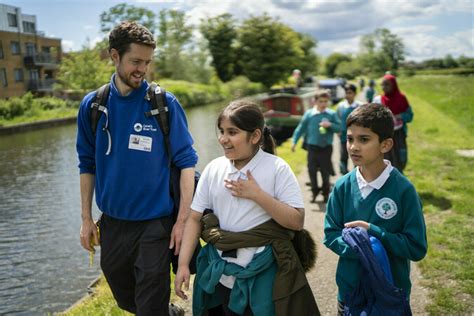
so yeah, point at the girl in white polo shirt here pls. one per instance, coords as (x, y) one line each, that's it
(246, 187)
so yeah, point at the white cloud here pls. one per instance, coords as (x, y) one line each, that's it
(338, 24)
(422, 46)
(67, 45)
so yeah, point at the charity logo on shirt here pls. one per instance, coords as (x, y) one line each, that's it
(386, 208)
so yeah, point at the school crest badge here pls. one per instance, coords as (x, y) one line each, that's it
(386, 208)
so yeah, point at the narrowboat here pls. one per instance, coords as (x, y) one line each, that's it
(283, 109)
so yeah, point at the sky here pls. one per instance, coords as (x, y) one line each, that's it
(428, 28)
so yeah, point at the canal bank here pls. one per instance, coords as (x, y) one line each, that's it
(27, 127)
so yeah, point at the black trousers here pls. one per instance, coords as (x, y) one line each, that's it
(319, 158)
(344, 159)
(135, 259)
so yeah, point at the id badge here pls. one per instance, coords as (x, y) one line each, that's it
(138, 142)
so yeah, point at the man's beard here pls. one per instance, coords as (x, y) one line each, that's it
(128, 82)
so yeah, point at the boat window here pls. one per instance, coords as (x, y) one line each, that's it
(282, 104)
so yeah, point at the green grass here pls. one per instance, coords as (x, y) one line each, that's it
(296, 160)
(101, 302)
(40, 116)
(443, 122)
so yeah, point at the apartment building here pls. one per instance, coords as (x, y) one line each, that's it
(29, 60)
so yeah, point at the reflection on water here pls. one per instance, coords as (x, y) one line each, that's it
(42, 265)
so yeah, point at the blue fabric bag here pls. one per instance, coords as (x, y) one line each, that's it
(375, 294)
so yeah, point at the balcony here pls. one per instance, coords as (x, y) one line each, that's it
(38, 85)
(41, 60)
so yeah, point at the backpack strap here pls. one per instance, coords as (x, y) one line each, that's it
(99, 105)
(159, 109)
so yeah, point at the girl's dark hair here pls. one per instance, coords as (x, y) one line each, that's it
(374, 116)
(127, 33)
(247, 116)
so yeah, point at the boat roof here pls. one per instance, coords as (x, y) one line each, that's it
(329, 82)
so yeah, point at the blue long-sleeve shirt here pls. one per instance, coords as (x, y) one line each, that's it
(132, 182)
(309, 127)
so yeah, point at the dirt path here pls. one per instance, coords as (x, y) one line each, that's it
(322, 277)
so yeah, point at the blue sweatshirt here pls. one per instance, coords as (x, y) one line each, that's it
(396, 219)
(309, 126)
(132, 181)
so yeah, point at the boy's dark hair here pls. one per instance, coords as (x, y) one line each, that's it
(247, 116)
(323, 93)
(127, 33)
(351, 87)
(374, 116)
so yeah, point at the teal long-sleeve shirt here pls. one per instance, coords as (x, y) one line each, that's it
(396, 219)
(309, 127)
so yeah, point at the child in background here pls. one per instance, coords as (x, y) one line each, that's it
(344, 108)
(402, 114)
(370, 91)
(245, 189)
(376, 197)
(318, 125)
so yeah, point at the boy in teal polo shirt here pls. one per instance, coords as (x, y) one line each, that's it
(318, 125)
(376, 197)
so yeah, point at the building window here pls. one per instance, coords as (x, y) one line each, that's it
(15, 47)
(30, 49)
(12, 20)
(18, 75)
(1, 50)
(29, 27)
(3, 77)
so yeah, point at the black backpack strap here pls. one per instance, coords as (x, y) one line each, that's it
(159, 109)
(99, 105)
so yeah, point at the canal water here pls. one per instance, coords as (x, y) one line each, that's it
(43, 268)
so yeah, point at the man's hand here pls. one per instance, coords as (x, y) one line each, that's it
(182, 276)
(362, 224)
(293, 147)
(177, 236)
(89, 233)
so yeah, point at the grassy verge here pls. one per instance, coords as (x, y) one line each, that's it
(443, 108)
(101, 302)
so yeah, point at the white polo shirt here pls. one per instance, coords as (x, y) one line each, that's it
(235, 214)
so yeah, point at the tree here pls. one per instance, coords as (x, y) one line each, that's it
(348, 69)
(392, 46)
(268, 50)
(172, 41)
(449, 62)
(84, 70)
(333, 60)
(309, 62)
(126, 12)
(221, 35)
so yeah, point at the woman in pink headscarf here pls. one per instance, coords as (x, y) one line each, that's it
(402, 114)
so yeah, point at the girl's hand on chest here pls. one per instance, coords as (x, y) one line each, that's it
(244, 188)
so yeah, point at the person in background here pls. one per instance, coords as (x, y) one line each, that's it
(344, 108)
(370, 91)
(396, 102)
(318, 125)
(376, 197)
(126, 165)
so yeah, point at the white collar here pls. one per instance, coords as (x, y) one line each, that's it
(316, 111)
(249, 166)
(377, 183)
